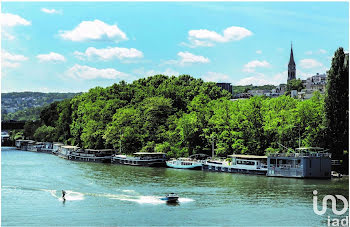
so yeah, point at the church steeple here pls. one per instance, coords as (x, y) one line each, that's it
(291, 65)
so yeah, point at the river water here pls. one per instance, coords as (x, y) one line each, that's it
(105, 194)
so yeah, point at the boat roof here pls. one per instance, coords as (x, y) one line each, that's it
(247, 156)
(25, 140)
(309, 148)
(68, 146)
(99, 150)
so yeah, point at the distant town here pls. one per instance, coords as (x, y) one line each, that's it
(309, 86)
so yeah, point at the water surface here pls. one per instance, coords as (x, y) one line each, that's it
(105, 194)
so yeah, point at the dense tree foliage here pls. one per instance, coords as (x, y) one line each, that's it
(337, 104)
(295, 84)
(181, 116)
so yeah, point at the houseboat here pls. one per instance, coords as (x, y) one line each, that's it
(5, 138)
(91, 155)
(56, 146)
(247, 164)
(185, 163)
(24, 144)
(310, 162)
(45, 147)
(66, 151)
(141, 159)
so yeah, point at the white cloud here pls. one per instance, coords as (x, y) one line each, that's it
(7, 64)
(8, 36)
(10, 20)
(13, 57)
(204, 37)
(250, 66)
(322, 51)
(216, 77)
(141, 72)
(261, 79)
(187, 58)
(310, 63)
(308, 52)
(109, 53)
(55, 57)
(49, 11)
(255, 80)
(9, 60)
(87, 73)
(258, 51)
(94, 30)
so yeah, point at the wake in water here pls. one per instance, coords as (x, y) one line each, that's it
(130, 195)
(70, 195)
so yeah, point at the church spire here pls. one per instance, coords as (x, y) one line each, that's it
(291, 59)
(291, 65)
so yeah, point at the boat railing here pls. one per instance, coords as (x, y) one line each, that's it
(296, 155)
(285, 166)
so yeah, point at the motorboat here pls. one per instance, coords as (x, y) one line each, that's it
(171, 198)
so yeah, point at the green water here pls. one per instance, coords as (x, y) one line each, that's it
(104, 194)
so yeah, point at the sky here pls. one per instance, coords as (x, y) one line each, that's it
(75, 46)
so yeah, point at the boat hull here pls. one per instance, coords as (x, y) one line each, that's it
(193, 167)
(139, 162)
(106, 159)
(230, 169)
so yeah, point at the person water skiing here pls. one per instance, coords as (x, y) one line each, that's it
(63, 194)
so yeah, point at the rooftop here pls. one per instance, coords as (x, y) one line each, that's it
(70, 147)
(148, 153)
(248, 156)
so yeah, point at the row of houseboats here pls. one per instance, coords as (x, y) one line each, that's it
(302, 163)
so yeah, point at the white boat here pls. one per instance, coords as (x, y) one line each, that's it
(250, 164)
(184, 163)
(171, 198)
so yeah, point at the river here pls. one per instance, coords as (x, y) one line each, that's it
(105, 194)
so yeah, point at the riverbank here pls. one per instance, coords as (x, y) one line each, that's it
(304, 163)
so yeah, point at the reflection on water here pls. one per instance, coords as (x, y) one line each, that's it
(126, 195)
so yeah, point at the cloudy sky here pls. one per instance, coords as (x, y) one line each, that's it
(74, 46)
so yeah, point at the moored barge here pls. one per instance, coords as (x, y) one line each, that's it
(247, 164)
(141, 159)
(307, 162)
(91, 155)
(65, 151)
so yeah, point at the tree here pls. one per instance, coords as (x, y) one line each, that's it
(337, 104)
(45, 133)
(30, 128)
(295, 84)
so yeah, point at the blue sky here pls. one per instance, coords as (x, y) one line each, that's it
(74, 46)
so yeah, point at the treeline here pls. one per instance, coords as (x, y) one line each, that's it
(20, 106)
(183, 115)
(27, 114)
(245, 88)
(180, 116)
